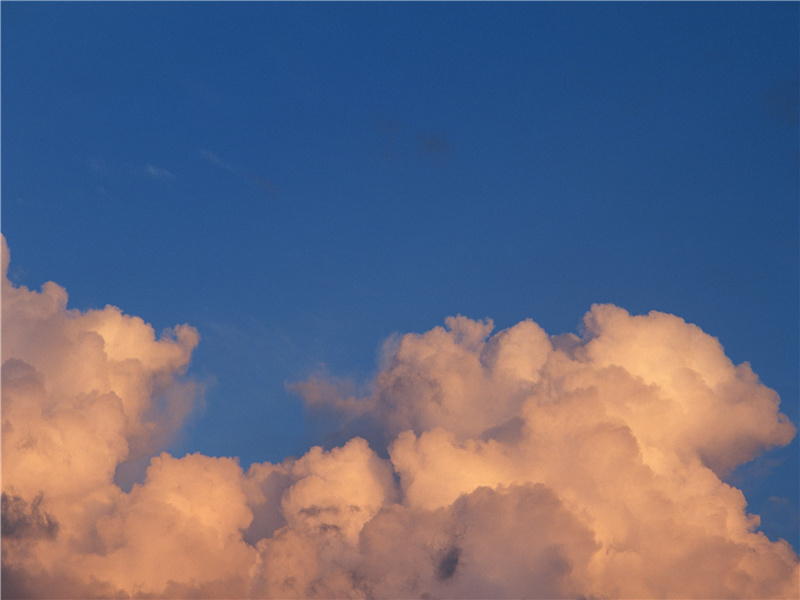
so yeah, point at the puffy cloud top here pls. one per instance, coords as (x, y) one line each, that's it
(514, 464)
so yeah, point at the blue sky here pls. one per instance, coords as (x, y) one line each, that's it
(299, 181)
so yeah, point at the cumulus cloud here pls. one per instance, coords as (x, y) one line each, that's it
(518, 464)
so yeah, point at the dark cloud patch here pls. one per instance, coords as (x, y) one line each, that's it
(21, 519)
(783, 100)
(448, 564)
(398, 142)
(18, 373)
(314, 511)
(434, 143)
(507, 432)
(12, 582)
(16, 583)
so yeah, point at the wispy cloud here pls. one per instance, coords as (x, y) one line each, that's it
(266, 187)
(217, 161)
(158, 172)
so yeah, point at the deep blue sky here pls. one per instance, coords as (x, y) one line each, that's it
(299, 181)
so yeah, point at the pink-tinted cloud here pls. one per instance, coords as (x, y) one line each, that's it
(517, 464)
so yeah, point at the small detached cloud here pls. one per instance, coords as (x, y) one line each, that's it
(158, 172)
(265, 186)
(434, 143)
(505, 465)
(217, 161)
(398, 142)
(782, 101)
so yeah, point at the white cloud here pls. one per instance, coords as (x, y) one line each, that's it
(158, 172)
(518, 464)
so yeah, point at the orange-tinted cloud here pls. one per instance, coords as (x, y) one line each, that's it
(516, 465)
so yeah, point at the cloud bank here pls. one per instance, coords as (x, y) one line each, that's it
(517, 464)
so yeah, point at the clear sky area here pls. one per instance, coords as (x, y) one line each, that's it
(305, 184)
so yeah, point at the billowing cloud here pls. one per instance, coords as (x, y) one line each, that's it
(517, 464)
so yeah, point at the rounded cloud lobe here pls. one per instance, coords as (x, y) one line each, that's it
(517, 464)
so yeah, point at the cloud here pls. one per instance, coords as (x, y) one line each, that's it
(781, 101)
(158, 172)
(21, 519)
(398, 142)
(434, 143)
(266, 186)
(216, 160)
(517, 464)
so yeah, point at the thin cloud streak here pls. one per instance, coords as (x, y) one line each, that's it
(266, 187)
(513, 464)
(158, 172)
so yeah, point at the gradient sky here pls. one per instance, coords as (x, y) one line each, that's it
(300, 181)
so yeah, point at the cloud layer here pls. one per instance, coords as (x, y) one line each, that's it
(506, 465)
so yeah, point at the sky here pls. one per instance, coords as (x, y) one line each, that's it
(417, 258)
